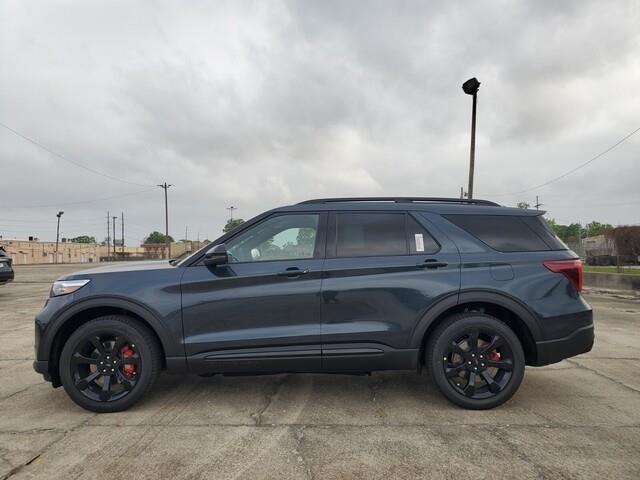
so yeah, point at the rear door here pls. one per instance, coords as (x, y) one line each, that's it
(383, 271)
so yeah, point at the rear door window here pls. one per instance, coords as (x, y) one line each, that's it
(508, 233)
(381, 234)
(370, 234)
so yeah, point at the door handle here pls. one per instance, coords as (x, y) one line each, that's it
(431, 263)
(292, 272)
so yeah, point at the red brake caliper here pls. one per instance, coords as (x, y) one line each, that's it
(494, 355)
(128, 369)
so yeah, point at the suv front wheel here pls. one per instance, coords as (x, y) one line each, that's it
(475, 360)
(108, 363)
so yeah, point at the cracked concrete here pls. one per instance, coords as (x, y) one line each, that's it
(577, 419)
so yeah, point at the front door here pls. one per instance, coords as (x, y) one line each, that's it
(261, 311)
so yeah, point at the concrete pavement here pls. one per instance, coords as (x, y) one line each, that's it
(576, 419)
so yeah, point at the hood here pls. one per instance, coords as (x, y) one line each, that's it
(121, 268)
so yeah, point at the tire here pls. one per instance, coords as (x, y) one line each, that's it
(475, 378)
(113, 346)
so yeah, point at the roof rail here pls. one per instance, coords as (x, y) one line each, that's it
(466, 201)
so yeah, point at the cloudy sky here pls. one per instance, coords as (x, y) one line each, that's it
(260, 104)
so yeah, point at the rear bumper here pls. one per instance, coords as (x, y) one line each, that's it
(579, 341)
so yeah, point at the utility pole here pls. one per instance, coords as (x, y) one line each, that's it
(231, 209)
(122, 233)
(108, 235)
(471, 87)
(114, 237)
(59, 214)
(165, 186)
(538, 204)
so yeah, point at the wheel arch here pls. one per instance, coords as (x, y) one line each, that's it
(79, 314)
(517, 316)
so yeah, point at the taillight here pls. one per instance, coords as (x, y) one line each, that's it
(572, 269)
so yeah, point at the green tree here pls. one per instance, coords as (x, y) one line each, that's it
(524, 205)
(566, 233)
(232, 223)
(596, 228)
(157, 237)
(83, 239)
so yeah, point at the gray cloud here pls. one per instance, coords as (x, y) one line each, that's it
(260, 104)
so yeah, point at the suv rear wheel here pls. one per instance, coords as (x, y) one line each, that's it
(108, 363)
(476, 360)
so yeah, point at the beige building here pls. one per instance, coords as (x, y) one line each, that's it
(25, 252)
(158, 251)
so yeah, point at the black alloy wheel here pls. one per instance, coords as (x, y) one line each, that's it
(105, 367)
(478, 363)
(108, 363)
(476, 360)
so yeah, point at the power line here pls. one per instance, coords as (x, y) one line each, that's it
(622, 140)
(62, 157)
(82, 202)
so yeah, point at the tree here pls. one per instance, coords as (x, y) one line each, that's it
(83, 239)
(596, 228)
(524, 205)
(157, 237)
(566, 233)
(232, 223)
(627, 239)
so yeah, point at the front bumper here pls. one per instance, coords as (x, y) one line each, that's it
(42, 367)
(6, 276)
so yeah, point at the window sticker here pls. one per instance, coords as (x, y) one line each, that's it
(419, 242)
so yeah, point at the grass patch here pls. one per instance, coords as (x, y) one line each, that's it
(625, 270)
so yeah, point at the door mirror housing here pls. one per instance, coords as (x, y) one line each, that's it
(216, 255)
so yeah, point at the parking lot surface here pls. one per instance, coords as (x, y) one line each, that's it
(576, 419)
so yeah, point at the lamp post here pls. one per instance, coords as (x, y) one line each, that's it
(471, 87)
(114, 237)
(165, 186)
(59, 214)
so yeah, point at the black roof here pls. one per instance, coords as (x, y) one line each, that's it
(440, 205)
(464, 201)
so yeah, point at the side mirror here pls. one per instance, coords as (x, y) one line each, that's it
(216, 255)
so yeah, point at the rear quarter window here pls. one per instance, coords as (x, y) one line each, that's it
(509, 233)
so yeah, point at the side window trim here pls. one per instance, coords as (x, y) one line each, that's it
(417, 220)
(331, 250)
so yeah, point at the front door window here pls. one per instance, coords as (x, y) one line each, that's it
(283, 237)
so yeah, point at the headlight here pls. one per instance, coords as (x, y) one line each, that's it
(64, 287)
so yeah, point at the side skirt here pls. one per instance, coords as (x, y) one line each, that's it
(339, 358)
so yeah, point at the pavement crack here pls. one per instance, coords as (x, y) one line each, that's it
(20, 391)
(269, 397)
(298, 434)
(17, 469)
(622, 384)
(540, 471)
(375, 385)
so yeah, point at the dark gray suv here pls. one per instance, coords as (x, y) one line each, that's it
(466, 289)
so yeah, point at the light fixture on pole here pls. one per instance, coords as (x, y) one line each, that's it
(471, 87)
(231, 209)
(59, 214)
